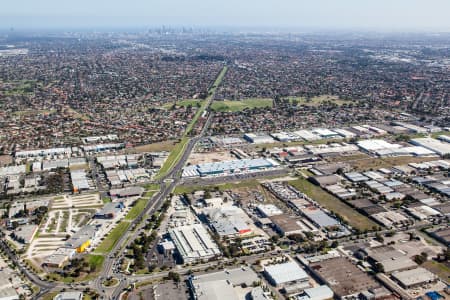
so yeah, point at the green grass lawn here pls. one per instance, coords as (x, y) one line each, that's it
(436, 134)
(95, 261)
(151, 187)
(233, 106)
(173, 157)
(184, 103)
(354, 218)
(49, 296)
(110, 241)
(240, 105)
(139, 206)
(316, 101)
(154, 147)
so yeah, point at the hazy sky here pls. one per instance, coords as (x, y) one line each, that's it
(338, 14)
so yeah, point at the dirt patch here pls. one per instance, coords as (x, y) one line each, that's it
(5, 160)
(202, 158)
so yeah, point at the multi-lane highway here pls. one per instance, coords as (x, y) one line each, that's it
(167, 184)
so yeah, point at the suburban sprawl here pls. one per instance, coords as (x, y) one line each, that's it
(185, 164)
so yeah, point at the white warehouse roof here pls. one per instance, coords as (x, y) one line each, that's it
(286, 272)
(439, 147)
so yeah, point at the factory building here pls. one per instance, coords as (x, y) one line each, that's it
(441, 148)
(258, 138)
(229, 167)
(194, 243)
(288, 275)
(414, 278)
(223, 284)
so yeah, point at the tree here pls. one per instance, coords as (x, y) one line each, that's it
(379, 238)
(378, 268)
(174, 276)
(419, 259)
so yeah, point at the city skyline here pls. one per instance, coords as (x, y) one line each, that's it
(382, 15)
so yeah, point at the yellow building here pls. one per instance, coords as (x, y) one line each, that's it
(82, 239)
(83, 246)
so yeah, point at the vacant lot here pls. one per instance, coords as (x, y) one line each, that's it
(316, 101)
(181, 189)
(333, 204)
(155, 147)
(201, 158)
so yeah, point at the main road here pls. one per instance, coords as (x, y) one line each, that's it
(167, 183)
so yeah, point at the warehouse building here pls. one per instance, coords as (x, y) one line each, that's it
(287, 275)
(414, 278)
(319, 217)
(229, 167)
(44, 152)
(391, 219)
(132, 191)
(325, 180)
(325, 133)
(307, 135)
(59, 258)
(389, 258)
(322, 292)
(412, 127)
(286, 225)
(258, 138)
(441, 148)
(194, 243)
(285, 136)
(80, 181)
(229, 221)
(222, 285)
(343, 277)
(344, 133)
(374, 145)
(268, 210)
(445, 138)
(442, 235)
(69, 296)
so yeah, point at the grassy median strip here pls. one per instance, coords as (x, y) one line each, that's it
(173, 157)
(110, 241)
(354, 218)
(204, 105)
(176, 152)
(139, 206)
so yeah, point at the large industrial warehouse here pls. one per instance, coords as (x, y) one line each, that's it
(194, 243)
(229, 167)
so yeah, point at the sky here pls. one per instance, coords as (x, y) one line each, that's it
(392, 15)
